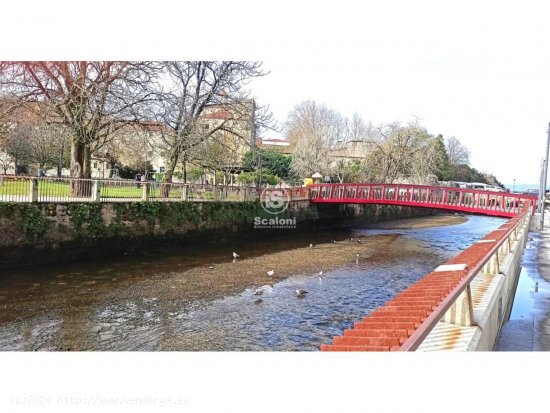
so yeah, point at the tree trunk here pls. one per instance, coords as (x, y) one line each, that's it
(167, 178)
(184, 172)
(87, 167)
(78, 187)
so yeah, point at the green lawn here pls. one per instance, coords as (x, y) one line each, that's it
(15, 187)
(61, 189)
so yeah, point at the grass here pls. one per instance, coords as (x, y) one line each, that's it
(15, 187)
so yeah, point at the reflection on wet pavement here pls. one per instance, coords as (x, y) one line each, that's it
(529, 326)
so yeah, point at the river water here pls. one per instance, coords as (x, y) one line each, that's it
(86, 306)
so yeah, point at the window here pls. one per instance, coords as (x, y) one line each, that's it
(161, 169)
(95, 165)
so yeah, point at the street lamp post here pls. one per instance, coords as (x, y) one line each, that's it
(544, 176)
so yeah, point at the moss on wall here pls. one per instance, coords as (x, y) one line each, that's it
(56, 232)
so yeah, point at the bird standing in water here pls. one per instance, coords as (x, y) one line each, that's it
(300, 293)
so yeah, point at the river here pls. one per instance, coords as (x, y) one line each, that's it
(97, 305)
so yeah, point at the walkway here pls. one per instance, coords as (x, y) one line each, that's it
(529, 326)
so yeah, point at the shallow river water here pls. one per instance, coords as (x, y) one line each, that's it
(85, 306)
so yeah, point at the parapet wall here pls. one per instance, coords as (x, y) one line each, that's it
(492, 296)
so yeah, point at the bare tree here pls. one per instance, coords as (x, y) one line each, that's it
(401, 152)
(457, 152)
(315, 130)
(359, 130)
(16, 144)
(92, 99)
(47, 144)
(197, 100)
(6, 161)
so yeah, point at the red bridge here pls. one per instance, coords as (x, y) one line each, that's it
(462, 304)
(501, 204)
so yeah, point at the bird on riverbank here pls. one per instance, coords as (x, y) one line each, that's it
(320, 275)
(300, 293)
(235, 255)
(357, 260)
(359, 241)
(270, 273)
(334, 241)
(258, 301)
(310, 245)
(351, 239)
(259, 291)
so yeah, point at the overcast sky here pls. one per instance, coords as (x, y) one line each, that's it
(477, 70)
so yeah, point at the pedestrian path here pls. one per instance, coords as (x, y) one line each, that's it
(529, 326)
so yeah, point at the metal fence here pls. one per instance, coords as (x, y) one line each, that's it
(45, 189)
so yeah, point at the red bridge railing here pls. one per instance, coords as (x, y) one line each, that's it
(500, 204)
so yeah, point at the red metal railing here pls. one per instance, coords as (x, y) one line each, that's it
(406, 320)
(501, 204)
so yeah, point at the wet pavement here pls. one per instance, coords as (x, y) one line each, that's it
(529, 326)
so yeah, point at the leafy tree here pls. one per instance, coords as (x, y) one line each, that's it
(345, 170)
(258, 177)
(274, 162)
(443, 167)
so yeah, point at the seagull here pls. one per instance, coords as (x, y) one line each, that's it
(351, 239)
(210, 267)
(259, 292)
(300, 293)
(320, 273)
(310, 245)
(270, 273)
(334, 241)
(235, 255)
(358, 241)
